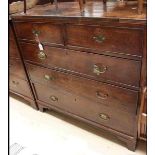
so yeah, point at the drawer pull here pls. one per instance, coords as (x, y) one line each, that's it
(104, 116)
(42, 55)
(36, 32)
(53, 98)
(15, 83)
(99, 38)
(101, 95)
(47, 77)
(99, 70)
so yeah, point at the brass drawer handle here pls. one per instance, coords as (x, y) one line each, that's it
(53, 98)
(47, 77)
(104, 116)
(99, 70)
(101, 95)
(42, 55)
(15, 83)
(36, 32)
(99, 38)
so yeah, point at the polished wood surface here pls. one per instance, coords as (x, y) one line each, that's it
(47, 33)
(115, 39)
(90, 66)
(118, 71)
(19, 86)
(78, 105)
(18, 79)
(111, 96)
(93, 9)
(16, 68)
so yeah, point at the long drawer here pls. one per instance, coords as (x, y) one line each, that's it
(16, 68)
(97, 92)
(82, 107)
(107, 39)
(46, 32)
(103, 68)
(19, 86)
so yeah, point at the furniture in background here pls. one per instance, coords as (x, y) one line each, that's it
(140, 4)
(89, 67)
(18, 81)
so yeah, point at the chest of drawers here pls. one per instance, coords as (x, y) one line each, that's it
(92, 69)
(18, 80)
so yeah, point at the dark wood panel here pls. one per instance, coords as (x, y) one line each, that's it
(107, 39)
(114, 97)
(47, 32)
(104, 68)
(99, 113)
(13, 50)
(19, 86)
(11, 35)
(16, 68)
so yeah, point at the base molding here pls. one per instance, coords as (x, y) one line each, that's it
(131, 142)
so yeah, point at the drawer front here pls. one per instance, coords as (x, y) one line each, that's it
(19, 86)
(45, 32)
(103, 68)
(13, 50)
(16, 68)
(11, 35)
(108, 95)
(82, 107)
(106, 39)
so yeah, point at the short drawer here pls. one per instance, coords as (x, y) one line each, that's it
(99, 67)
(108, 95)
(46, 32)
(106, 39)
(13, 50)
(84, 108)
(16, 68)
(19, 86)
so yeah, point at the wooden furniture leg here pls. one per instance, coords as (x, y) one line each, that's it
(104, 1)
(81, 3)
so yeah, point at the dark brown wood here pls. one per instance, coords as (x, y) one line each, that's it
(92, 66)
(46, 32)
(118, 71)
(77, 105)
(20, 86)
(13, 50)
(18, 80)
(16, 68)
(114, 97)
(115, 39)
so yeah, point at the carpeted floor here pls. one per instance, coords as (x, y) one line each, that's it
(53, 134)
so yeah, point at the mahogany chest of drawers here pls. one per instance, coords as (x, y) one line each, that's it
(18, 80)
(89, 68)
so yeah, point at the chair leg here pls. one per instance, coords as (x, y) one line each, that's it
(104, 1)
(51, 1)
(81, 3)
